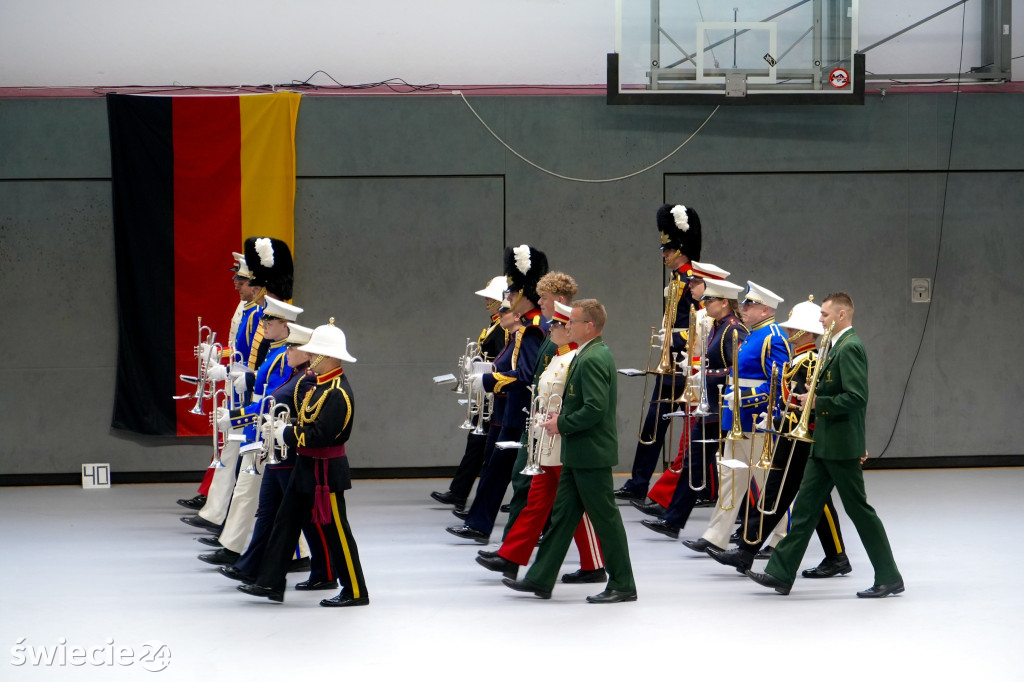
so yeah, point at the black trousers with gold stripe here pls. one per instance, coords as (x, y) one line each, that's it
(828, 526)
(296, 505)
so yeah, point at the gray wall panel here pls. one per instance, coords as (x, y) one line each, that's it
(396, 262)
(54, 138)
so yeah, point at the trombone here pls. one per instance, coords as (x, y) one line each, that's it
(801, 431)
(765, 462)
(702, 411)
(735, 434)
(666, 363)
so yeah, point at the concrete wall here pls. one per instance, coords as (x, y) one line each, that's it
(404, 205)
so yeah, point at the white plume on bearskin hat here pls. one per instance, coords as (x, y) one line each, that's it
(680, 230)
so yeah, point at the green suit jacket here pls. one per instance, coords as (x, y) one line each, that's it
(841, 402)
(587, 419)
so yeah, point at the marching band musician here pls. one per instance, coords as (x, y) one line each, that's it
(269, 262)
(589, 450)
(491, 340)
(321, 476)
(663, 489)
(680, 231)
(238, 280)
(524, 266)
(274, 371)
(720, 302)
(840, 405)
(804, 331)
(552, 288)
(275, 481)
(764, 347)
(522, 535)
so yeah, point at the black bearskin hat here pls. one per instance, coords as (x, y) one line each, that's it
(524, 266)
(680, 230)
(270, 261)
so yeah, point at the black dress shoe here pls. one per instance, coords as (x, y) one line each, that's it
(342, 600)
(260, 591)
(740, 559)
(525, 585)
(598, 575)
(876, 591)
(310, 585)
(659, 526)
(769, 581)
(235, 574)
(703, 504)
(222, 557)
(195, 503)
(487, 555)
(649, 508)
(448, 498)
(612, 597)
(467, 533)
(197, 521)
(209, 542)
(299, 565)
(505, 508)
(625, 493)
(460, 513)
(765, 553)
(699, 545)
(499, 564)
(830, 566)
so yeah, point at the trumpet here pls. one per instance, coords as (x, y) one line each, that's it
(204, 387)
(539, 445)
(472, 354)
(275, 411)
(801, 431)
(257, 448)
(216, 463)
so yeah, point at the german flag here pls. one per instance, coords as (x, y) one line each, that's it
(193, 177)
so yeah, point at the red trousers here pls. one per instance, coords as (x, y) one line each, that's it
(523, 536)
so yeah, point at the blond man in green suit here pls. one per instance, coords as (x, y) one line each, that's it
(835, 462)
(590, 449)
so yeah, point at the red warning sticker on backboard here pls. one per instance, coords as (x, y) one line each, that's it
(839, 78)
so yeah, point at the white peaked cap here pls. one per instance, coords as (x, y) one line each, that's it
(281, 310)
(495, 288)
(719, 288)
(758, 294)
(298, 334)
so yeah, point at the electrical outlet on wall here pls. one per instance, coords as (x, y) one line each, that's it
(920, 290)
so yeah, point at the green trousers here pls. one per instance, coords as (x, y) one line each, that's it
(587, 490)
(820, 476)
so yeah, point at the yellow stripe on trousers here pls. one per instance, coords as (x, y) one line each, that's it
(832, 529)
(268, 165)
(352, 578)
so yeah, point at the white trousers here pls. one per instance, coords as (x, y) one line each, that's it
(732, 487)
(223, 483)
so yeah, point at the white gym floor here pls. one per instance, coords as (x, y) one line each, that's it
(106, 569)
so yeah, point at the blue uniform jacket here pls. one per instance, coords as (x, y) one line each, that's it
(765, 344)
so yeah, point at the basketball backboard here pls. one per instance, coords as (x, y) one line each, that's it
(736, 52)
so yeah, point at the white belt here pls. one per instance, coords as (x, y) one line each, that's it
(751, 383)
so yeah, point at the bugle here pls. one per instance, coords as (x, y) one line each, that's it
(204, 387)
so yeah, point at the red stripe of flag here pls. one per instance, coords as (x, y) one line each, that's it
(207, 220)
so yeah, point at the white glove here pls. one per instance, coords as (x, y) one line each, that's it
(217, 372)
(279, 427)
(762, 422)
(223, 417)
(665, 293)
(477, 383)
(240, 384)
(660, 336)
(204, 350)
